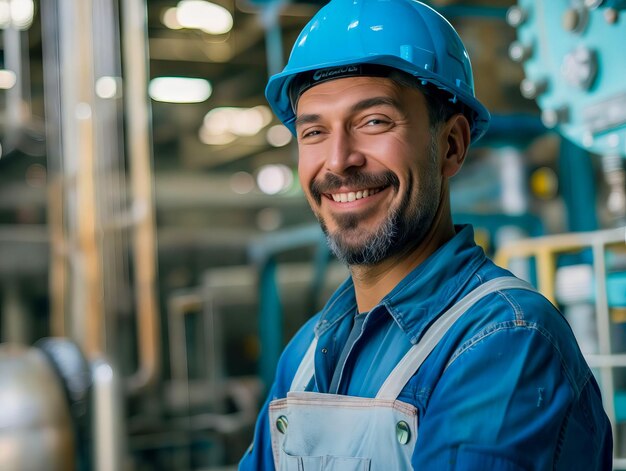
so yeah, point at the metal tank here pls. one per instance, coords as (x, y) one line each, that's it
(36, 429)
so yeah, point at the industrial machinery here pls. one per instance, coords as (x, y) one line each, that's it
(573, 64)
(570, 52)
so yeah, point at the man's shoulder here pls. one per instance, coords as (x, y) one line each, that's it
(514, 304)
(519, 314)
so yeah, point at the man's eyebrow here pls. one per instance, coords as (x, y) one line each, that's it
(360, 106)
(306, 119)
(375, 101)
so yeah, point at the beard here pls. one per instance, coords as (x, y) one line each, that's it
(404, 227)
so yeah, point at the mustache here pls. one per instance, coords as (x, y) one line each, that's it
(331, 182)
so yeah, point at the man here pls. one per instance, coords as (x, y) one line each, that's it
(429, 356)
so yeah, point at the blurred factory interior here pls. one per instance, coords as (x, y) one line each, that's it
(156, 251)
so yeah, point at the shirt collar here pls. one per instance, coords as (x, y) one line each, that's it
(423, 294)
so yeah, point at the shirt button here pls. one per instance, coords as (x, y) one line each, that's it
(403, 432)
(324, 350)
(282, 424)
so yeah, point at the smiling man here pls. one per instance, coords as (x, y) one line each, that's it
(429, 356)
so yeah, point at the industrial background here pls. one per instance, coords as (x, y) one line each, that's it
(156, 251)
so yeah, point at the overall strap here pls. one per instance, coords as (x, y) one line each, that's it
(416, 355)
(306, 370)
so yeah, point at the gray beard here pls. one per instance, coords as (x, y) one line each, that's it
(404, 227)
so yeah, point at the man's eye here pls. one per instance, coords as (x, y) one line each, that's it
(311, 133)
(377, 121)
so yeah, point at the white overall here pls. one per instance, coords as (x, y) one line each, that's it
(326, 432)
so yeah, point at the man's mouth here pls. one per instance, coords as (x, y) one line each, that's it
(353, 195)
(353, 187)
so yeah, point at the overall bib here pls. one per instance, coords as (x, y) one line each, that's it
(327, 432)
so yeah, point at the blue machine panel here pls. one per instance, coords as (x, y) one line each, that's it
(574, 58)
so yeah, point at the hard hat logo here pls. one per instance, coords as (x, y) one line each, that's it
(334, 73)
(404, 35)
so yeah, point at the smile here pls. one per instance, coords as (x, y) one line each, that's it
(354, 195)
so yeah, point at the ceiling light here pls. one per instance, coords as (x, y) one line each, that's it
(8, 79)
(22, 13)
(107, 87)
(179, 89)
(218, 120)
(238, 121)
(213, 139)
(278, 135)
(5, 14)
(274, 178)
(169, 18)
(249, 122)
(199, 14)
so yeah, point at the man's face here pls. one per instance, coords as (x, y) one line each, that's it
(368, 166)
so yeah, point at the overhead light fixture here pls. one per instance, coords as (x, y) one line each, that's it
(237, 121)
(274, 178)
(169, 18)
(8, 79)
(215, 139)
(278, 135)
(203, 15)
(17, 13)
(108, 87)
(22, 13)
(179, 89)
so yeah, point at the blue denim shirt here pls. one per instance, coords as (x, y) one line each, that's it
(507, 388)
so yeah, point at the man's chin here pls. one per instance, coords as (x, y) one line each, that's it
(350, 239)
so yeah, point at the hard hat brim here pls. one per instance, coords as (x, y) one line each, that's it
(277, 90)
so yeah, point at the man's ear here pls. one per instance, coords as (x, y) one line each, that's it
(455, 137)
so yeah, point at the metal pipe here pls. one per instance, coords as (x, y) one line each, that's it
(604, 328)
(75, 41)
(273, 36)
(58, 278)
(107, 420)
(135, 57)
(13, 61)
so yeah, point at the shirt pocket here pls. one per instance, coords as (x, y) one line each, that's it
(322, 463)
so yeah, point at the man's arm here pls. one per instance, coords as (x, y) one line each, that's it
(509, 402)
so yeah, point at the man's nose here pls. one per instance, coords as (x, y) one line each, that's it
(343, 154)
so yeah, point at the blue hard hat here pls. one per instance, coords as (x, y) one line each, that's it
(402, 34)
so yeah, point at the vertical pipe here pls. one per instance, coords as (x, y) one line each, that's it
(107, 421)
(11, 37)
(273, 37)
(135, 62)
(58, 275)
(79, 156)
(546, 272)
(109, 170)
(270, 321)
(604, 327)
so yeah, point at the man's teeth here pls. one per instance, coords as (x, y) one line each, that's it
(353, 195)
